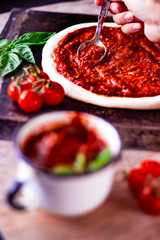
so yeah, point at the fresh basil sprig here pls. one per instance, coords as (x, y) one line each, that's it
(11, 54)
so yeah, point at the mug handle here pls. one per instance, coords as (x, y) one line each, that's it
(11, 196)
(23, 176)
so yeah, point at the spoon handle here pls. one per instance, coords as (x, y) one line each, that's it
(102, 16)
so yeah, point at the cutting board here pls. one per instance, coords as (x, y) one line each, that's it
(137, 128)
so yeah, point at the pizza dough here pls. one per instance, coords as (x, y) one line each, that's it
(76, 92)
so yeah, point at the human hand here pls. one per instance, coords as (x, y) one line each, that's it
(135, 15)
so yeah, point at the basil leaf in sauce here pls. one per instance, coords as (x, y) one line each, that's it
(101, 160)
(62, 170)
(79, 165)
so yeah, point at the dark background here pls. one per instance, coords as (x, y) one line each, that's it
(7, 5)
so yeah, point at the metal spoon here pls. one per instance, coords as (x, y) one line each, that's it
(96, 39)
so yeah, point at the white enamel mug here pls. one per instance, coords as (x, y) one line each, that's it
(72, 195)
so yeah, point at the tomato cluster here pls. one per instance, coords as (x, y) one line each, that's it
(33, 88)
(144, 182)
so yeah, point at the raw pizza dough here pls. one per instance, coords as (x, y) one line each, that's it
(76, 92)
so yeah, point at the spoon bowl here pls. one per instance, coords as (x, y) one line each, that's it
(90, 43)
(95, 41)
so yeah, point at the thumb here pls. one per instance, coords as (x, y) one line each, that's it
(152, 32)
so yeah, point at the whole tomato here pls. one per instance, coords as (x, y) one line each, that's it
(30, 101)
(53, 93)
(151, 167)
(149, 200)
(16, 87)
(43, 75)
(34, 78)
(136, 180)
(13, 91)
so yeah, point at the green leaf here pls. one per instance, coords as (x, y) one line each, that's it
(79, 163)
(4, 43)
(101, 160)
(62, 170)
(3, 58)
(33, 38)
(9, 61)
(25, 52)
(11, 56)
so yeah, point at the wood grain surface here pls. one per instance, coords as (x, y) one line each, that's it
(118, 218)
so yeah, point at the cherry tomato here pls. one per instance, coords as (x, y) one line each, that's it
(53, 95)
(29, 101)
(16, 87)
(13, 91)
(35, 78)
(136, 180)
(151, 167)
(149, 200)
(31, 79)
(43, 75)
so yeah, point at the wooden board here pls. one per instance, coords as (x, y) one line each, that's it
(138, 129)
(118, 218)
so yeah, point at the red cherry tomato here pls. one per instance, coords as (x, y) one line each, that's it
(149, 200)
(43, 75)
(29, 101)
(151, 167)
(16, 87)
(25, 85)
(31, 79)
(53, 95)
(35, 78)
(13, 91)
(136, 180)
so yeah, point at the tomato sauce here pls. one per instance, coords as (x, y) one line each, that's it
(131, 67)
(60, 144)
(92, 53)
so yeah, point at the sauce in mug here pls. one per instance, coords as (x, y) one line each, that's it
(67, 148)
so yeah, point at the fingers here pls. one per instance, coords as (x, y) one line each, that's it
(131, 27)
(123, 18)
(152, 32)
(98, 2)
(129, 24)
(115, 8)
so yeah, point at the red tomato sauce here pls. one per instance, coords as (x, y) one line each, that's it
(131, 67)
(59, 145)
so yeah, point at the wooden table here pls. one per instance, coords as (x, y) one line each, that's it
(118, 218)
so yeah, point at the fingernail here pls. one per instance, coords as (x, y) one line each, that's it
(136, 26)
(129, 16)
(114, 8)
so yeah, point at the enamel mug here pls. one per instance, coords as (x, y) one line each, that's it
(70, 195)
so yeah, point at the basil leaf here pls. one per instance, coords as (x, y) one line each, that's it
(33, 38)
(62, 170)
(25, 52)
(9, 61)
(79, 163)
(4, 43)
(3, 58)
(11, 58)
(101, 160)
